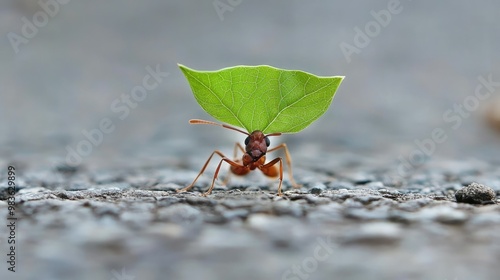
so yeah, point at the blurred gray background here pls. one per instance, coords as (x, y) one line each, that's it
(90, 53)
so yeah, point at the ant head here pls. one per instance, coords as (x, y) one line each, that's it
(256, 144)
(256, 135)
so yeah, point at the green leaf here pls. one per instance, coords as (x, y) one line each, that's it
(263, 97)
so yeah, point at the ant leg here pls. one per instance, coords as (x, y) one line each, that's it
(202, 170)
(238, 145)
(268, 170)
(235, 156)
(224, 159)
(288, 162)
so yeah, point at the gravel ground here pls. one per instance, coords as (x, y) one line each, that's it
(356, 221)
(364, 211)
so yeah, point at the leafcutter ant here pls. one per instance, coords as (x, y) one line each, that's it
(254, 157)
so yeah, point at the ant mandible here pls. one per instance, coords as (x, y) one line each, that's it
(254, 156)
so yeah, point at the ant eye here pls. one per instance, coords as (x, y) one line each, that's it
(268, 142)
(247, 140)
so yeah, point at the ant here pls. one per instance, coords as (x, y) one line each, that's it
(254, 157)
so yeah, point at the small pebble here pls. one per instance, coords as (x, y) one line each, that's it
(317, 188)
(476, 194)
(360, 178)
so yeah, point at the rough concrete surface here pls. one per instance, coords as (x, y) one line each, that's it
(413, 123)
(367, 225)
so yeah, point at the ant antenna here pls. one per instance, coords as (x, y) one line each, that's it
(274, 134)
(196, 121)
